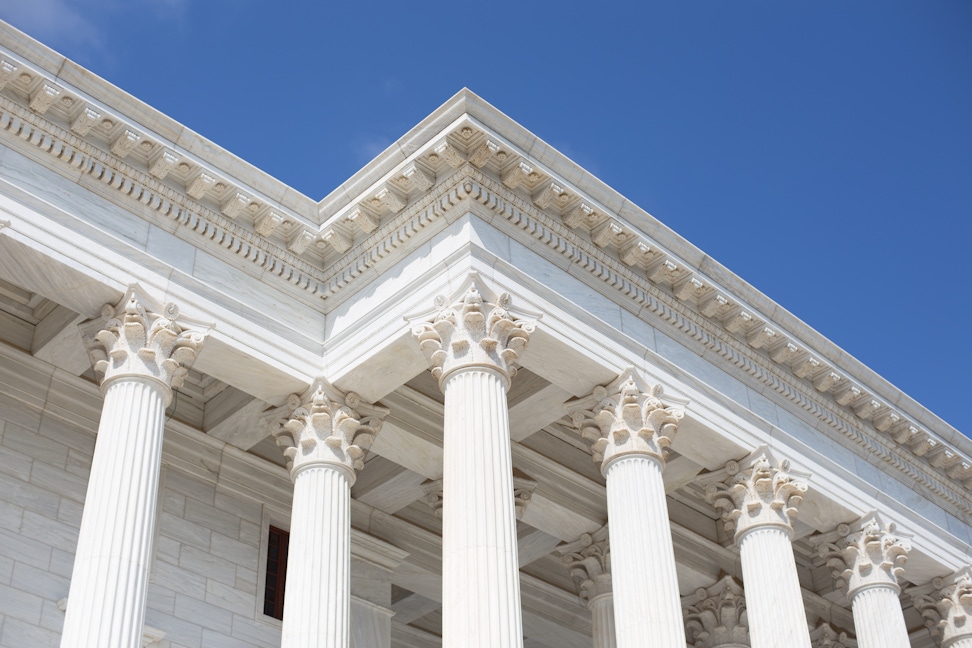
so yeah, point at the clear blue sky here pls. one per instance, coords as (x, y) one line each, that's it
(821, 150)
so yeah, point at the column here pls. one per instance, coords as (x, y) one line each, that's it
(325, 441)
(472, 347)
(759, 501)
(141, 353)
(715, 616)
(631, 428)
(589, 560)
(946, 607)
(867, 559)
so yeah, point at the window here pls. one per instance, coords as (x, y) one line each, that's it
(273, 598)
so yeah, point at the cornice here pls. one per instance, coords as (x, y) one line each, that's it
(470, 162)
(70, 154)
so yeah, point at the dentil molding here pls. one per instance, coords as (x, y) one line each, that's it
(325, 254)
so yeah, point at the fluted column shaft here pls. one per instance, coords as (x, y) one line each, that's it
(774, 601)
(317, 604)
(602, 618)
(325, 440)
(630, 428)
(141, 353)
(963, 642)
(480, 576)
(878, 619)
(106, 605)
(646, 598)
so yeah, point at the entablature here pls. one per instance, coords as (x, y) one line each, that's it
(467, 153)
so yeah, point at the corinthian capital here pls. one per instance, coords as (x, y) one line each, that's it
(138, 338)
(589, 560)
(824, 636)
(758, 491)
(715, 616)
(625, 417)
(328, 427)
(865, 554)
(473, 332)
(946, 606)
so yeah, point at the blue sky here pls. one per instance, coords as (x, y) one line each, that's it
(820, 150)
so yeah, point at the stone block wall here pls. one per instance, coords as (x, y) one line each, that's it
(205, 569)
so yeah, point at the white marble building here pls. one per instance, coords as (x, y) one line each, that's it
(619, 443)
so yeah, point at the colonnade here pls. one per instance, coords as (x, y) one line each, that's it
(625, 572)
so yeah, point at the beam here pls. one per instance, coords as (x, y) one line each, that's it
(235, 417)
(57, 341)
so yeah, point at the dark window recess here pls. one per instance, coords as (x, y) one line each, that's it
(273, 599)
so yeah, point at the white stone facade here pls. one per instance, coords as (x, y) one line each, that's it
(494, 403)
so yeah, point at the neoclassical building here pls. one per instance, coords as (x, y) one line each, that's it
(472, 398)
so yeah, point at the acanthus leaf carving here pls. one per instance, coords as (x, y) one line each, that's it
(433, 495)
(234, 205)
(523, 488)
(299, 241)
(164, 163)
(413, 178)
(473, 332)
(553, 195)
(516, 175)
(199, 185)
(589, 561)
(125, 143)
(337, 239)
(945, 605)
(328, 426)
(85, 121)
(42, 98)
(266, 224)
(8, 72)
(582, 214)
(756, 492)
(138, 338)
(715, 616)
(483, 153)
(626, 417)
(864, 554)
(825, 636)
(448, 153)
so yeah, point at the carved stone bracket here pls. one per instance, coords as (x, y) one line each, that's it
(715, 616)
(626, 417)
(757, 491)
(589, 560)
(864, 554)
(473, 332)
(139, 338)
(328, 426)
(946, 606)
